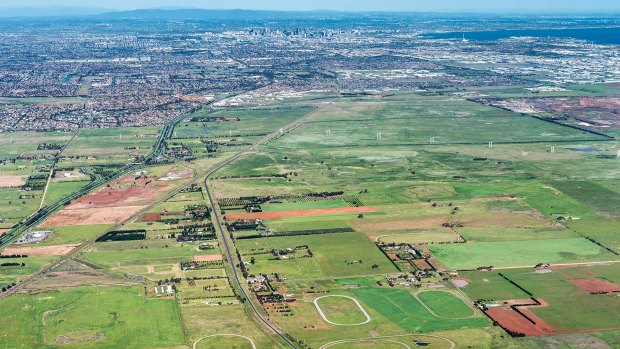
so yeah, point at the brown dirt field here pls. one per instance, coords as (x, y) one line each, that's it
(421, 264)
(2, 231)
(515, 322)
(174, 176)
(154, 217)
(607, 102)
(297, 213)
(88, 216)
(595, 285)
(126, 191)
(11, 181)
(424, 249)
(38, 251)
(382, 225)
(150, 217)
(208, 258)
(460, 282)
(392, 256)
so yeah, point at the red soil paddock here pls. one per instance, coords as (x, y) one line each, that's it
(88, 216)
(511, 320)
(298, 213)
(208, 258)
(595, 285)
(126, 191)
(112, 204)
(154, 217)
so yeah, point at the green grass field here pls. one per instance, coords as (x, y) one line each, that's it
(402, 308)
(307, 205)
(341, 310)
(102, 317)
(490, 286)
(58, 190)
(518, 253)
(138, 253)
(329, 258)
(445, 304)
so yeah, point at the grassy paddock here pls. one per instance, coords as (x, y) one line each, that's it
(103, 317)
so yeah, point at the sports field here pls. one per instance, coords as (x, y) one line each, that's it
(402, 308)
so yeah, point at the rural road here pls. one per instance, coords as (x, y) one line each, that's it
(55, 161)
(217, 218)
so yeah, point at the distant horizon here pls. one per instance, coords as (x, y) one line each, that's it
(77, 10)
(405, 6)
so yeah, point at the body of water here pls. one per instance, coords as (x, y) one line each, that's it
(596, 35)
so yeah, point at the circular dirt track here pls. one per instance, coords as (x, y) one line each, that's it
(318, 308)
(225, 335)
(389, 339)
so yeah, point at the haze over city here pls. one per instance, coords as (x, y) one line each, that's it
(559, 6)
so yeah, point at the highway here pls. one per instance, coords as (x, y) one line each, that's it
(217, 219)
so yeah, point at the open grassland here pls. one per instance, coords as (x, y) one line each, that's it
(106, 143)
(602, 230)
(102, 317)
(514, 234)
(592, 194)
(25, 143)
(15, 206)
(200, 320)
(72, 234)
(329, 258)
(518, 253)
(31, 266)
(57, 190)
(307, 205)
(132, 253)
(448, 120)
(490, 286)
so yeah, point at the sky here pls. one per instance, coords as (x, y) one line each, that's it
(346, 5)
